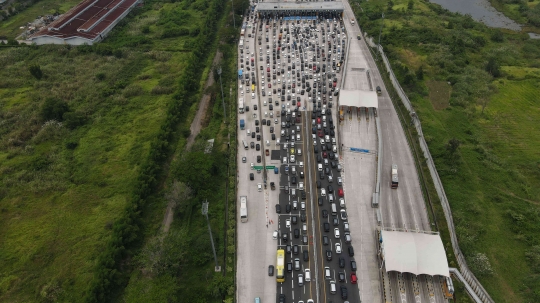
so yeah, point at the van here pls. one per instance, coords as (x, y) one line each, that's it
(307, 275)
(245, 144)
(293, 192)
(319, 167)
(333, 287)
(327, 273)
(334, 210)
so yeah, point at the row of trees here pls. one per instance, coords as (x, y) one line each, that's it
(126, 230)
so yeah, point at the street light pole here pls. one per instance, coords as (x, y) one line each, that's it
(222, 98)
(205, 212)
(380, 31)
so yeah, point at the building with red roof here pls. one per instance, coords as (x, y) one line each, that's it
(87, 23)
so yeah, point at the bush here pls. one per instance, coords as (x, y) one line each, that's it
(35, 70)
(53, 109)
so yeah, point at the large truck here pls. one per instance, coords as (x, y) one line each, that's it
(280, 266)
(394, 176)
(242, 124)
(241, 105)
(241, 45)
(242, 32)
(243, 209)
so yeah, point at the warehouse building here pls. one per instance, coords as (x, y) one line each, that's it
(87, 23)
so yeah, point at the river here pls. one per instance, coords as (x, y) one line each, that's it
(480, 10)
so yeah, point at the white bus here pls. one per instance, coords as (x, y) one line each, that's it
(243, 209)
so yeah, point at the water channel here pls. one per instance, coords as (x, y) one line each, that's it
(480, 10)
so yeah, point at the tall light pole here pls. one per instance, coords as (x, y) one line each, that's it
(380, 31)
(222, 98)
(205, 212)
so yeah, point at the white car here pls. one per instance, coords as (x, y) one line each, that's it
(303, 205)
(323, 192)
(336, 232)
(339, 181)
(288, 223)
(338, 248)
(342, 203)
(259, 187)
(293, 159)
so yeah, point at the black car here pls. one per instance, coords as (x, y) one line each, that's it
(330, 189)
(321, 175)
(328, 255)
(258, 147)
(325, 240)
(303, 217)
(251, 176)
(295, 249)
(278, 208)
(325, 215)
(319, 186)
(293, 180)
(258, 159)
(341, 276)
(294, 219)
(288, 249)
(296, 233)
(271, 270)
(288, 208)
(344, 294)
(285, 237)
(306, 255)
(335, 221)
(351, 251)
(320, 200)
(303, 195)
(326, 226)
(282, 296)
(341, 262)
(353, 265)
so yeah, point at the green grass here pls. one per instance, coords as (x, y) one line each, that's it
(492, 182)
(61, 190)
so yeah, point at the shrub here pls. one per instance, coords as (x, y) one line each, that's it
(35, 70)
(53, 109)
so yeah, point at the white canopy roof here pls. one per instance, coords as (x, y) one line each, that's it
(358, 98)
(414, 253)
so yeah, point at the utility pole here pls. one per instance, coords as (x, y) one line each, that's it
(222, 98)
(380, 31)
(205, 212)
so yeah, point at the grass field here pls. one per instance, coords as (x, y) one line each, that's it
(492, 111)
(63, 185)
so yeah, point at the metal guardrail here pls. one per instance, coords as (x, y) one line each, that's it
(469, 279)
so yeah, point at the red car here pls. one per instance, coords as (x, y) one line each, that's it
(298, 103)
(268, 69)
(294, 85)
(269, 85)
(324, 154)
(340, 192)
(353, 278)
(318, 120)
(320, 133)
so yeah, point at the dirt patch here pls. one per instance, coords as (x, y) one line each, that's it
(439, 94)
(195, 128)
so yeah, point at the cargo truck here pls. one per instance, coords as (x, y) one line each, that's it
(243, 209)
(394, 176)
(242, 124)
(241, 105)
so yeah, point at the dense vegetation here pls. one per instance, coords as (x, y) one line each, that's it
(526, 12)
(475, 90)
(85, 133)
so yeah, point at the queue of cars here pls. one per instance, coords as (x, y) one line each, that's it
(296, 67)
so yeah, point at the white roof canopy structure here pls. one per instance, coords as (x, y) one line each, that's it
(414, 253)
(358, 98)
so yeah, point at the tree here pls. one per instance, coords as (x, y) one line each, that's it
(453, 146)
(420, 73)
(35, 70)
(492, 67)
(164, 256)
(497, 36)
(53, 109)
(390, 4)
(410, 5)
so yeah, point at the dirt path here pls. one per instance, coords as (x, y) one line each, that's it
(195, 129)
